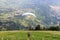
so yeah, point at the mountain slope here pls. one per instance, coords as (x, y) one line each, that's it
(46, 11)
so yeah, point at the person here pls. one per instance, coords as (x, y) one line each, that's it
(28, 34)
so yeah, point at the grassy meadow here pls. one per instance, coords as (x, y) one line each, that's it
(35, 35)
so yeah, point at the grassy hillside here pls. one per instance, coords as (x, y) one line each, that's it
(35, 35)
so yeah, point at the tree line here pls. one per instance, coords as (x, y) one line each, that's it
(52, 28)
(10, 25)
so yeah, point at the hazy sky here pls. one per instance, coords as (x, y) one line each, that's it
(17, 3)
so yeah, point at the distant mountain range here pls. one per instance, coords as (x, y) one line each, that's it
(47, 11)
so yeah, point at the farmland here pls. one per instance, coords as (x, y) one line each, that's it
(35, 35)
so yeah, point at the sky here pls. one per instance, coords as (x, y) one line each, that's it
(20, 3)
(54, 2)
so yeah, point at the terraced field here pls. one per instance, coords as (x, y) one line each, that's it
(35, 35)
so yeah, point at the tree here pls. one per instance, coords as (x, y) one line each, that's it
(56, 28)
(37, 27)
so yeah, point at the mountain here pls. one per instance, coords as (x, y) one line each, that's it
(46, 11)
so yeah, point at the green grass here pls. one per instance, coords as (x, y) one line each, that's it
(35, 35)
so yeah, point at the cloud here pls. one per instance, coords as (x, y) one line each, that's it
(56, 11)
(3, 0)
(56, 8)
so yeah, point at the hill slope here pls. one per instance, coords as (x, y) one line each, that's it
(47, 11)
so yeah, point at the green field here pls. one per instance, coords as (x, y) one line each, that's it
(35, 35)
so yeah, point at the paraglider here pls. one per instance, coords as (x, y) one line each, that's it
(26, 14)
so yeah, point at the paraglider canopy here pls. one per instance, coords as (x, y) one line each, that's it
(26, 14)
